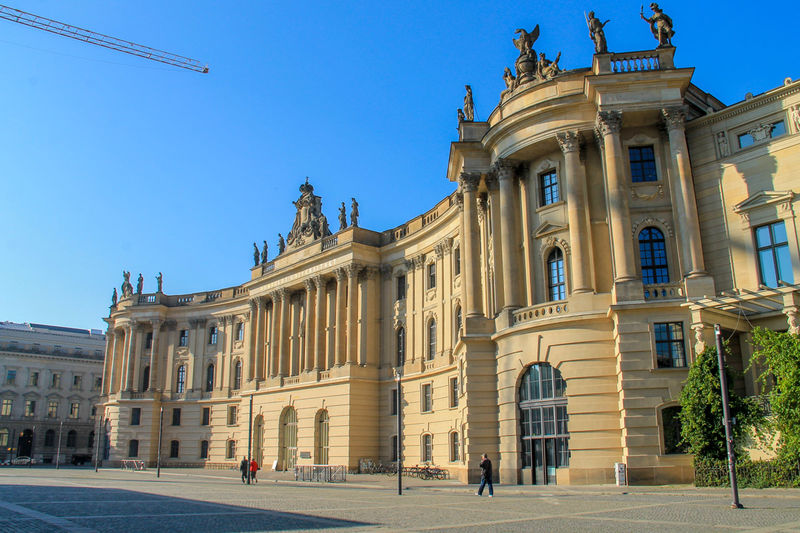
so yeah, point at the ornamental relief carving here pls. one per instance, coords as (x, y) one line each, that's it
(430, 295)
(551, 242)
(182, 351)
(652, 221)
(399, 313)
(238, 345)
(647, 193)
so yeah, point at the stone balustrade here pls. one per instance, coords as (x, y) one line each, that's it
(664, 291)
(536, 312)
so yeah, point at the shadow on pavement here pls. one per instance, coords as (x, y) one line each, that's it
(62, 508)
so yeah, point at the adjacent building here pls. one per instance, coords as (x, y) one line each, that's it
(603, 219)
(51, 381)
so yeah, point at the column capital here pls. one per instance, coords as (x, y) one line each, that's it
(469, 181)
(353, 269)
(608, 122)
(372, 272)
(569, 141)
(253, 304)
(503, 169)
(319, 282)
(140, 326)
(197, 322)
(341, 274)
(156, 324)
(309, 283)
(674, 117)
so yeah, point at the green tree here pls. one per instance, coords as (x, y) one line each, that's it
(702, 429)
(780, 353)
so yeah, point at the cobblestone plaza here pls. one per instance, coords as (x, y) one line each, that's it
(45, 499)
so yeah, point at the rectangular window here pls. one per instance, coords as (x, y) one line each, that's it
(548, 183)
(393, 402)
(76, 382)
(75, 410)
(232, 415)
(212, 335)
(401, 287)
(133, 448)
(774, 260)
(206, 416)
(432, 275)
(52, 409)
(136, 416)
(55, 382)
(6, 409)
(30, 407)
(761, 133)
(176, 416)
(148, 341)
(669, 345)
(239, 331)
(454, 392)
(203, 449)
(174, 448)
(11, 377)
(457, 261)
(183, 339)
(394, 447)
(98, 383)
(426, 400)
(34, 379)
(643, 163)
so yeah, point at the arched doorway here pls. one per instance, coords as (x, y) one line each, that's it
(288, 434)
(321, 438)
(544, 439)
(258, 440)
(25, 443)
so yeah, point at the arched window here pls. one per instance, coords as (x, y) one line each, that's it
(210, 378)
(180, 382)
(427, 448)
(401, 346)
(455, 452)
(288, 442)
(133, 448)
(145, 378)
(431, 339)
(556, 288)
(49, 438)
(458, 322)
(72, 438)
(671, 428)
(653, 256)
(544, 439)
(237, 375)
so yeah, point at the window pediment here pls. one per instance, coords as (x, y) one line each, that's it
(763, 198)
(546, 228)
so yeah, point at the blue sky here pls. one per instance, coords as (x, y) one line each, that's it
(113, 162)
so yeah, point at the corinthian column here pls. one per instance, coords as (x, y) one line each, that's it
(352, 313)
(471, 245)
(688, 223)
(340, 324)
(504, 170)
(131, 357)
(275, 337)
(609, 124)
(153, 384)
(308, 363)
(283, 339)
(579, 237)
(319, 320)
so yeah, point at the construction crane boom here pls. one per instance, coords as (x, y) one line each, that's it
(88, 36)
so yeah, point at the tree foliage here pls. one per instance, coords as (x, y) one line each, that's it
(702, 427)
(780, 354)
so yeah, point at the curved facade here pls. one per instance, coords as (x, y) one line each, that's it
(544, 313)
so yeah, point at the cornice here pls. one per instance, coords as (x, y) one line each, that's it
(746, 105)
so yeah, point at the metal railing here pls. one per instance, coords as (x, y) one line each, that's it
(321, 473)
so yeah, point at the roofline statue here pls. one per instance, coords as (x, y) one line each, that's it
(596, 33)
(660, 25)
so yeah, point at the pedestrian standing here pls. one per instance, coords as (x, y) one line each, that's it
(243, 468)
(253, 470)
(486, 476)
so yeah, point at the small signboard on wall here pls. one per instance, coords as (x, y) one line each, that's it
(274, 465)
(305, 455)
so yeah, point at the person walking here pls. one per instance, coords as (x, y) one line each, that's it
(486, 476)
(243, 468)
(253, 470)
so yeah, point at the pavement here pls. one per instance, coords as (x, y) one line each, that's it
(47, 500)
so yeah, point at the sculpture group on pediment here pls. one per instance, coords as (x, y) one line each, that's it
(309, 222)
(660, 25)
(530, 66)
(127, 288)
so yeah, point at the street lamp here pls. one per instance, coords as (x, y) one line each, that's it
(398, 378)
(249, 439)
(58, 448)
(723, 383)
(160, 431)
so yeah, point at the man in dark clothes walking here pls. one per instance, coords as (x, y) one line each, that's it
(486, 476)
(244, 467)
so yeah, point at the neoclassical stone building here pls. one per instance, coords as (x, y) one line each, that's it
(545, 312)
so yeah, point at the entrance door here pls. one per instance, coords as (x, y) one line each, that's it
(258, 440)
(25, 444)
(289, 455)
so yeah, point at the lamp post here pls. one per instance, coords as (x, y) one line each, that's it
(398, 377)
(160, 431)
(97, 444)
(723, 383)
(58, 449)
(249, 438)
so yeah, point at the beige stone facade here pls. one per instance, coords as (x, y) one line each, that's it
(548, 309)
